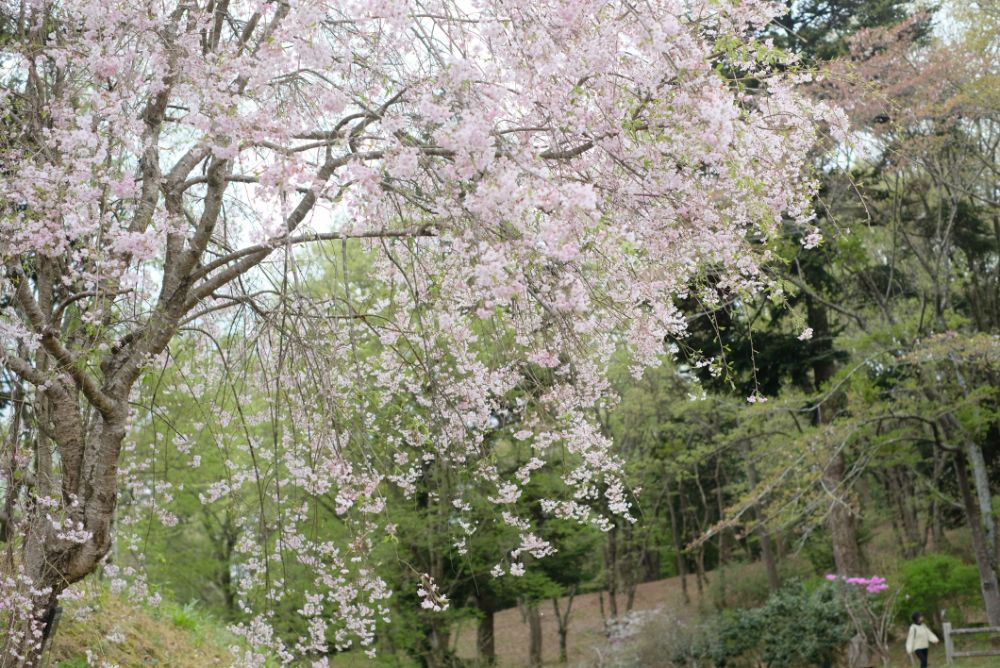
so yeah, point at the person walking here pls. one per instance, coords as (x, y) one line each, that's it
(919, 639)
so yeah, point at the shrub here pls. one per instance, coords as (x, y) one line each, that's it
(666, 642)
(935, 581)
(797, 627)
(803, 629)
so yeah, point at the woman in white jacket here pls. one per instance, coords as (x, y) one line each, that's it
(919, 639)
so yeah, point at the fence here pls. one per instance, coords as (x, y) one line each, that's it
(949, 644)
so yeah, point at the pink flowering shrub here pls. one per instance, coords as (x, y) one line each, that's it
(872, 585)
(871, 613)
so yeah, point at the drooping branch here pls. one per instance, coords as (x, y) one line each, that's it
(277, 242)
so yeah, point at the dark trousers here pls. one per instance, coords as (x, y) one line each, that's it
(922, 655)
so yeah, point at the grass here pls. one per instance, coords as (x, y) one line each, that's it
(106, 630)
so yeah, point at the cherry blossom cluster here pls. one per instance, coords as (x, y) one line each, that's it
(18, 597)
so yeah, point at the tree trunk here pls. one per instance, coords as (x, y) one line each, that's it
(438, 653)
(611, 571)
(770, 563)
(725, 535)
(981, 481)
(766, 544)
(485, 632)
(938, 541)
(535, 635)
(52, 557)
(562, 622)
(902, 496)
(675, 530)
(563, 645)
(980, 546)
(840, 521)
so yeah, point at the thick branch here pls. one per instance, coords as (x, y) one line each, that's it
(22, 368)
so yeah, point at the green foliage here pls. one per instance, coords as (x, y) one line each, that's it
(936, 581)
(186, 617)
(77, 662)
(743, 586)
(794, 628)
(819, 29)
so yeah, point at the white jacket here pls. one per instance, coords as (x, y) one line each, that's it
(919, 637)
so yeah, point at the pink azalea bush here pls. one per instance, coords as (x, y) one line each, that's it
(872, 585)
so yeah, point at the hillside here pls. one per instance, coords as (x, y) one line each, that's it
(107, 630)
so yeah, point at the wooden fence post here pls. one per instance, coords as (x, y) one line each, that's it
(949, 647)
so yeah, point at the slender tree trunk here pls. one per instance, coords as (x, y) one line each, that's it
(841, 523)
(702, 578)
(562, 622)
(534, 635)
(766, 544)
(629, 566)
(938, 541)
(981, 481)
(902, 497)
(957, 433)
(438, 645)
(650, 565)
(611, 571)
(563, 645)
(675, 530)
(725, 535)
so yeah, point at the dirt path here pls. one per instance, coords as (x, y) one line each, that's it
(586, 628)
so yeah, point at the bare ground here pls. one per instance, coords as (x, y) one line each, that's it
(586, 627)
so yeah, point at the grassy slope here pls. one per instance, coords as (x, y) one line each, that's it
(116, 632)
